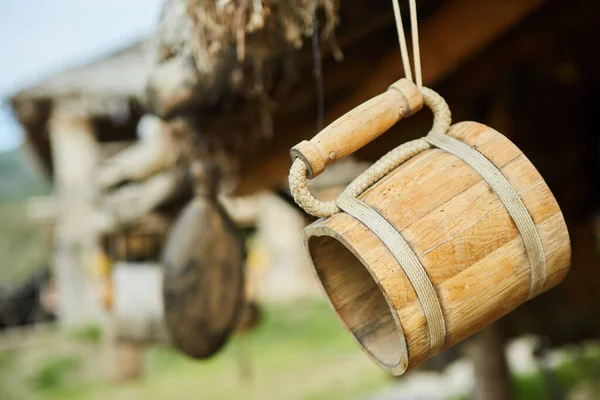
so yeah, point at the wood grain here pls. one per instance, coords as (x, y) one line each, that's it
(461, 232)
(203, 278)
(359, 127)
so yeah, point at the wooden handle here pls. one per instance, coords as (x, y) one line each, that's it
(358, 127)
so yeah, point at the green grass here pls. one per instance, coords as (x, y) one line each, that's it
(299, 352)
(7, 361)
(23, 246)
(19, 176)
(88, 333)
(54, 372)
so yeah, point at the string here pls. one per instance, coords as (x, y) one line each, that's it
(318, 70)
(402, 40)
(414, 25)
(415, 41)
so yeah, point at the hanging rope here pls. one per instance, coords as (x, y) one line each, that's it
(414, 26)
(402, 40)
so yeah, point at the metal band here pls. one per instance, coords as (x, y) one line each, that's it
(509, 197)
(408, 261)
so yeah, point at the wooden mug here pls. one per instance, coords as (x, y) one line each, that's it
(460, 231)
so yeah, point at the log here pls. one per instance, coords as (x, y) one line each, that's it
(128, 361)
(208, 51)
(132, 202)
(173, 86)
(155, 152)
(75, 155)
(463, 236)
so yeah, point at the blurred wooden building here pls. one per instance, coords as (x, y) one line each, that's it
(75, 121)
(249, 79)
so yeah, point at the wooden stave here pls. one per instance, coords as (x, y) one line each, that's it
(360, 241)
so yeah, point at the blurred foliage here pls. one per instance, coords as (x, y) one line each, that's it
(54, 372)
(23, 246)
(579, 370)
(19, 176)
(88, 333)
(7, 361)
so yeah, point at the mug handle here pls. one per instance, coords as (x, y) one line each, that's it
(358, 127)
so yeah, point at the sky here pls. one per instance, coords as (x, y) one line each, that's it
(41, 37)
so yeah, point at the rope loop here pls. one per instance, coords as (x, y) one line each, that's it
(298, 173)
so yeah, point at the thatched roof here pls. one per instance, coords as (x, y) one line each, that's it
(113, 83)
(121, 74)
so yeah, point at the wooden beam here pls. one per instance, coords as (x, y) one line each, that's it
(455, 33)
(75, 154)
(156, 152)
(129, 203)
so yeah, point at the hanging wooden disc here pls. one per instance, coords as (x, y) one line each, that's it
(203, 276)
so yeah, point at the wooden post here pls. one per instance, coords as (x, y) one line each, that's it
(75, 155)
(492, 375)
(127, 360)
(288, 276)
